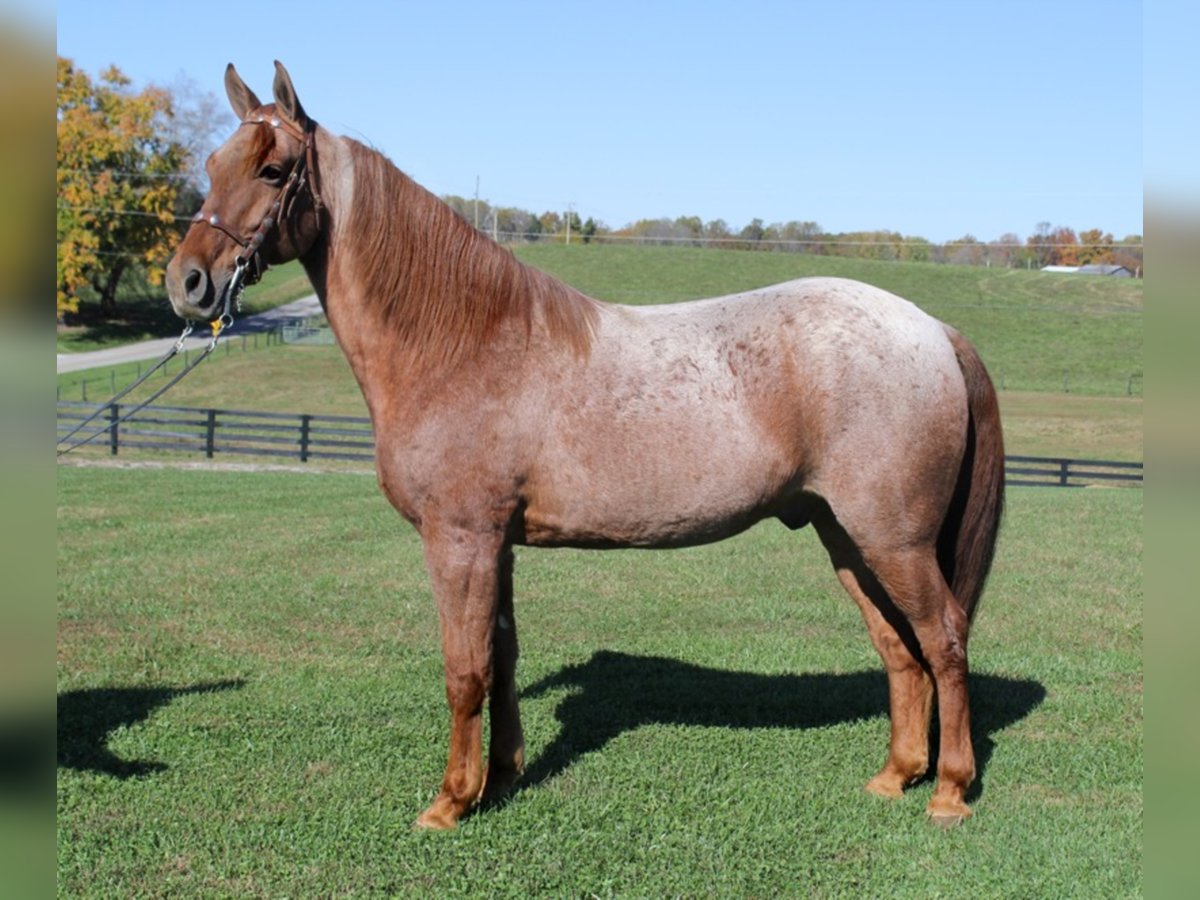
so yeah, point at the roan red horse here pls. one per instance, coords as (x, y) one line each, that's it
(509, 408)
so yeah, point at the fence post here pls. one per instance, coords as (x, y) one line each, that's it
(1063, 465)
(210, 433)
(305, 422)
(114, 416)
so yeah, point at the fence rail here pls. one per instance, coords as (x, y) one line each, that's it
(1041, 470)
(304, 437)
(298, 436)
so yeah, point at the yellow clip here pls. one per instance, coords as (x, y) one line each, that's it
(217, 325)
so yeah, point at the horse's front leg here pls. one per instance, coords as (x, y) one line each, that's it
(464, 568)
(506, 750)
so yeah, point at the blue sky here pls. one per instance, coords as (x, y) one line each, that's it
(935, 119)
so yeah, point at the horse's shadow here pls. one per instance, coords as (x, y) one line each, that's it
(613, 693)
(87, 717)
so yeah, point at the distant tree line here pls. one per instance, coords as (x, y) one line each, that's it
(1048, 245)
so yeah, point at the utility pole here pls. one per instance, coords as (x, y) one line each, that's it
(570, 209)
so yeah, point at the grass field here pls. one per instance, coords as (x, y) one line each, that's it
(250, 703)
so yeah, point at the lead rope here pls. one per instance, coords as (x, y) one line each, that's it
(219, 326)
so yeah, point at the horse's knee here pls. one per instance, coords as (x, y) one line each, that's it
(466, 691)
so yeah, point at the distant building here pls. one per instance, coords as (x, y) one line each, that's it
(1106, 269)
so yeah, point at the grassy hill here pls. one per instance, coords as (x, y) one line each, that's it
(1032, 328)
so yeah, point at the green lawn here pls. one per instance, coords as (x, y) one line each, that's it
(250, 703)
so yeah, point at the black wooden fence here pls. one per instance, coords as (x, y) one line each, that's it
(305, 437)
(293, 436)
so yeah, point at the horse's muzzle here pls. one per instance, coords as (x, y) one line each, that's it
(193, 292)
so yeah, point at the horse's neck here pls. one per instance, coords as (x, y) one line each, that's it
(410, 288)
(394, 352)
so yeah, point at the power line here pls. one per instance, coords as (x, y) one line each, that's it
(125, 212)
(118, 173)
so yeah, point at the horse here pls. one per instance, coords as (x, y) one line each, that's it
(511, 409)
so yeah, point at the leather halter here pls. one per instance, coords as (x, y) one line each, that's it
(304, 172)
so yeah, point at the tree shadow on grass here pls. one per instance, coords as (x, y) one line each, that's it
(613, 693)
(87, 717)
(136, 319)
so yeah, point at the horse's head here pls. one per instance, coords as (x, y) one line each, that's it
(263, 207)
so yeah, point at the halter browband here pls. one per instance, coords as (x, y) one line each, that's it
(303, 172)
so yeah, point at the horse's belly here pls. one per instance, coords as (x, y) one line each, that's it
(688, 488)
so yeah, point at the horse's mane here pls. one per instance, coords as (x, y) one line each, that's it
(439, 282)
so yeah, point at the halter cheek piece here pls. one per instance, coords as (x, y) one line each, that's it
(303, 173)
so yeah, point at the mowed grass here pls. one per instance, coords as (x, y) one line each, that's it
(250, 703)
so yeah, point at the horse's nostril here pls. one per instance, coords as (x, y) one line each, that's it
(192, 282)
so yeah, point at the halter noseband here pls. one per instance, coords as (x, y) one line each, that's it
(304, 172)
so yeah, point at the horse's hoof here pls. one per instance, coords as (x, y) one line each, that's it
(497, 785)
(948, 815)
(435, 818)
(946, 821)
(887, 786)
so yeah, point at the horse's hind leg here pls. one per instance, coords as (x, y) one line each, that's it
(913, 581)
(920, 632)
(506, 754)
(910, 686)
(910, 689)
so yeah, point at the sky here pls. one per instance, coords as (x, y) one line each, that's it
(933, 119)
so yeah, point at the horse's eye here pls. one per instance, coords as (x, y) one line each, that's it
(270, 173)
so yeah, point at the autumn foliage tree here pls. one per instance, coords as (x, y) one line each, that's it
(118, 183)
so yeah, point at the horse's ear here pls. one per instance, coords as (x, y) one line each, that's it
(286, 100)
(241, 98)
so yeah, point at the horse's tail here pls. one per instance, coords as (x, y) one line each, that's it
(967, 542)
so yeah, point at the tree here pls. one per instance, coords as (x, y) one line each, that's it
(550, 223)
(1066, 246)
(753, 232)
(1095, 246)
(966, 251)
(1005, 250)
(716, 230)
(118, 183)
(1039, 244)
